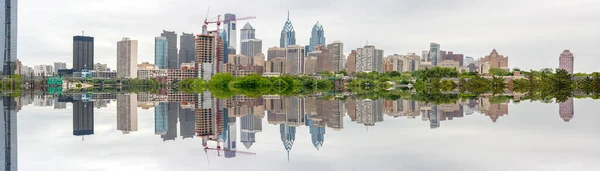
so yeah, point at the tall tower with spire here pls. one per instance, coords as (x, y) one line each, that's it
(317, 36)
(288, 35)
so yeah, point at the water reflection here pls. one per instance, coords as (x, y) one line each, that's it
(202, 116)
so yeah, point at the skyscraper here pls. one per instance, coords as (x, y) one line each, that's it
(337, 49)
(187, 48)
(83, 118)
(369, 59)
(127, 116)
(172, 58)
(325, 61)
(434, 53)
(351, 64)
(161, 52)
(566, 61)
(187, 123)
(248, 32)
(230, 32)
(9, 134)
(83, 53)
(9, 33)
(317, 37)
(251, 47)
(288, 136)
(208, 49)
(127, 55)
(295, 58)
(251, 124)
(468, 60)
(566, 110)
(288, 35)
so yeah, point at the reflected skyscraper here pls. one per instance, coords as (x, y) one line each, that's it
(9, 134)
(317, 134)
(83, 118)
(566, 110)
(187, 123)
(288, 136)
(161, 117)
(251, 124)
(230, 140)
(173, 112)
(368, 112)
(127, 119)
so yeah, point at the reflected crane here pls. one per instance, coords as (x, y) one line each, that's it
(218, 149)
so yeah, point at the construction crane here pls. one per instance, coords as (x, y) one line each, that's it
(218, 149)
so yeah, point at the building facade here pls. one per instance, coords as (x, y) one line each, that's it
(187, 48)
(127, 55)
(317, 37)
(369, 59)
(248, 32)
(127, 116)
(161, 52)
(434, 53)
(208, 50)
(351, 64)
(275, 52)
(295, 58)
(172, 57)
(100, 67)
(494, 60)
(230, 27)
(9, 36)
(468, 60)
(59, 65)
(337, 50)
(83, 53)
(276, 65)
(566, 61)
(251, 47)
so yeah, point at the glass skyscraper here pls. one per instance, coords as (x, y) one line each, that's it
(161, 52)
(317, 37)
(288, 35)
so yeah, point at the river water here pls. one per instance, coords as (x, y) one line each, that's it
(143, 131)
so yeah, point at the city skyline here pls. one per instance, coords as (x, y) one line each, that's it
(525, 55)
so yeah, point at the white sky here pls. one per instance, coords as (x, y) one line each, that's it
(532, 33)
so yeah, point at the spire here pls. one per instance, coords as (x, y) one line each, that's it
(288, 15)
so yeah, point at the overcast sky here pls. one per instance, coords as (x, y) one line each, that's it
(532, 33)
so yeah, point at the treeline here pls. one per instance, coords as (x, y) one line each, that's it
(547, 84)
(224, 85)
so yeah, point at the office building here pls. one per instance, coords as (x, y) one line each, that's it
(83, 118)
(494, 60)
(566, 111)
(9, 132)
(288, 35)
(83, 53)
(449, 64)
(187, 122)
(310, 65)
(337, 50)
(295, 59)
(276, 65)
(317, 37)
(251, 47)
(100, 67)
(259, 59)
(369, 59)
(275, 52)
(242, 60)
(172, 57)
(127, 116)
(251, 124)
(161, 52)
(161, 118)
(325, 61)
(468, 60)
(43, 70)
(187, 48)
(59, 65)
(434, 53)
(9, 36)
(351, 64)
(127, 55)
(248, 32)
(230, 27)
(566, 60)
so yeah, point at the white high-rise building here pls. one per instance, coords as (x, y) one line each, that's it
(59, 65)
(468, 60)
(127, 55)
(127, 116)
(295, 58)
(369, 59)
(43, 70)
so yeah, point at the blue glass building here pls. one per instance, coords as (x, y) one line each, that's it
(288, 35)
(161, 119)
(317, 37)
(161, 52)
(12, 33)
